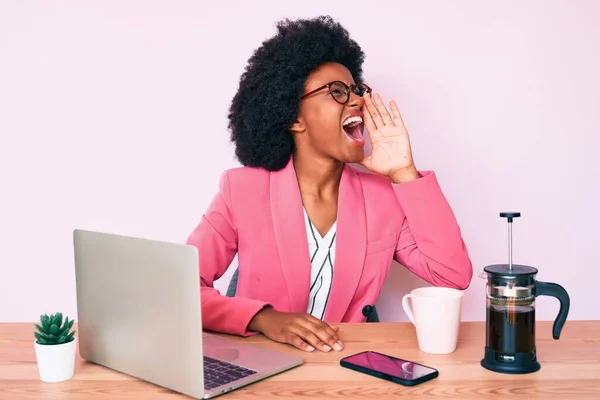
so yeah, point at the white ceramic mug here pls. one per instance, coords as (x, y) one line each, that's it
(435, 312)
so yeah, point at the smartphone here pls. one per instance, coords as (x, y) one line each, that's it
(390, 368)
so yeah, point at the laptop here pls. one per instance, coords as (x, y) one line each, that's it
(139, 313)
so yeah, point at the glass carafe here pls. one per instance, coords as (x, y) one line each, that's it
(510, 311)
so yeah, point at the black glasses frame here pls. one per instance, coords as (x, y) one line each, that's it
(359, 90)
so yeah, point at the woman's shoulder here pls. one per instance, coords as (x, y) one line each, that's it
(240, 180)
(243, 173)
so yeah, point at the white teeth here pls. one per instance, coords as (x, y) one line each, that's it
(352, 120)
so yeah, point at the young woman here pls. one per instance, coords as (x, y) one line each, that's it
(315, 237)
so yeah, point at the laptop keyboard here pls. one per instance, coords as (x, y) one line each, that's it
(217, 373)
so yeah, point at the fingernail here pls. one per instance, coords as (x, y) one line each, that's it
(326, 348)
(310, 348)
(337, 346)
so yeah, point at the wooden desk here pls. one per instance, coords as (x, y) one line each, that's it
(570, 369)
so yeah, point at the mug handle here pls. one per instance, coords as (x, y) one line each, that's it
(407, 308)
(555, 290)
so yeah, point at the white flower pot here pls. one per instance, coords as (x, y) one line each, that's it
(56, 363)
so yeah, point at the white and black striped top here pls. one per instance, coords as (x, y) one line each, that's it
(322, 257)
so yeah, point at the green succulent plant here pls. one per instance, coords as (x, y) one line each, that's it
(53, 330)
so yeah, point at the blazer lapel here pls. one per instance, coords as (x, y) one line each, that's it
(351, 243)
(290, 235)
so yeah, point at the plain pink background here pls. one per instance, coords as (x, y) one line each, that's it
(113, 118)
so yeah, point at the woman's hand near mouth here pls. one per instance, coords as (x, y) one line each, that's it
(391, 155)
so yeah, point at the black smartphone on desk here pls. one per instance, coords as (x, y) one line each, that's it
(390, 368)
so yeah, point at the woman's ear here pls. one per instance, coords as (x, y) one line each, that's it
(298, 126)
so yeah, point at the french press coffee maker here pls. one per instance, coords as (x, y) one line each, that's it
(510, 313)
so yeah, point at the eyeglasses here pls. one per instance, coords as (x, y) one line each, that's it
(341, 92)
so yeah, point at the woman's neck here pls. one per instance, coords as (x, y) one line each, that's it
(318, 178)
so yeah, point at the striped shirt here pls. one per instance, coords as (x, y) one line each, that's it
(322, 257)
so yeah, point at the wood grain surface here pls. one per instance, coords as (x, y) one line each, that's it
(570, 369)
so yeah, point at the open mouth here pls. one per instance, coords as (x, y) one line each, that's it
(353, 127)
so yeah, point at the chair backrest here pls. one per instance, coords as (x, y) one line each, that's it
(232, 288)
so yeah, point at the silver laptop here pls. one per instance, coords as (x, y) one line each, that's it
(139, 313)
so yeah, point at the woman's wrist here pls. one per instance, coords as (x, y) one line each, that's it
(404, 175)
(256, 322)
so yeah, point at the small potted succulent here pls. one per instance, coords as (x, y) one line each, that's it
(55, 348)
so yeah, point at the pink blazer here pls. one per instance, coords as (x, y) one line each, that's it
(259, 215)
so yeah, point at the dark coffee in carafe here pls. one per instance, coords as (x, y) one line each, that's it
(511, 331)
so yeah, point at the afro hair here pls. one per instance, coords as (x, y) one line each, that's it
(268, 98)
